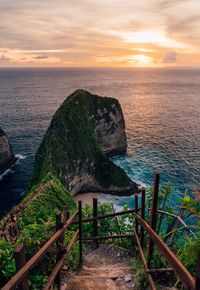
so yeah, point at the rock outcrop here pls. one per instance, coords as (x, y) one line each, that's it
(83, 131)
(7, 157)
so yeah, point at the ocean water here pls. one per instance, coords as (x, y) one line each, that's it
(161, 109)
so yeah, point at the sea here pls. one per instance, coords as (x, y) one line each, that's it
(161, 109)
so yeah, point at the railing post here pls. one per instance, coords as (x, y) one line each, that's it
(95, 222)
(153, 214)
(20, 261)
(58, 220)
(13, 231)
(197, 279)
(136, 210)
(60, 242)
(65, 214)
(80, 231)
(142, 216)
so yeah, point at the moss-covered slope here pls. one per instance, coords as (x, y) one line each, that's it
(36, 217)
(74, 145)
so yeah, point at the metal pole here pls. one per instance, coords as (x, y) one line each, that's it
(80, 231)
(197, 281)
(95, 222)
(136, 210)
(153, 215)
(60, 244)
(142, 216)
(65, 214)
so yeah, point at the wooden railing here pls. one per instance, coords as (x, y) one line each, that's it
(20, 279)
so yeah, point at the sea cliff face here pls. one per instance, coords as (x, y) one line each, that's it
(7, 157)
(109, 126)
(84, 130)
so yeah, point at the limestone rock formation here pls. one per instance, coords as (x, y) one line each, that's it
(109, 127)
(7, 157)
(83, 131)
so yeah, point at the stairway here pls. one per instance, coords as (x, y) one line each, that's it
(106, 268)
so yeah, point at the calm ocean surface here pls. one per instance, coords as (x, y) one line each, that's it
(161, 109)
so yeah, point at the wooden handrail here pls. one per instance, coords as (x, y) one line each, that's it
(107, 215)
(186, 227)
(151, 283)
(107, 237)
(21, 274)
(60, 263)
(187, 279)
(183, 274)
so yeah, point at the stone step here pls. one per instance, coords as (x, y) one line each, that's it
(96, 283)
(107, 272)
(105, 268)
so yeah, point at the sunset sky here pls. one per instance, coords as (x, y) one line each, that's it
(99, 33)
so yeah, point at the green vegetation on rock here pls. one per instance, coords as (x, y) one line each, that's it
(70, 148)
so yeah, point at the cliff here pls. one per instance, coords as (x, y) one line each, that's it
(83, 131)
(7, 157)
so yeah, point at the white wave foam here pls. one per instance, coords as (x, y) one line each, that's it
(20, 156)
(116, 200)
(10, 170)
(141, 184)
(6, 172)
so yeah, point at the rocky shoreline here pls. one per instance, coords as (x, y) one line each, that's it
(7, 157)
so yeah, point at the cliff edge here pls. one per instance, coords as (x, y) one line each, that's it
(7, 157)
(83, 132)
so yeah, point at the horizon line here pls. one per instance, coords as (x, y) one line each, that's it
(98, 67)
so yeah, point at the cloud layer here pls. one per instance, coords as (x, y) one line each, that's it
(99, 33)
(170, 57)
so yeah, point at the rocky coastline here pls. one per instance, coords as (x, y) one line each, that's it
(7, 157)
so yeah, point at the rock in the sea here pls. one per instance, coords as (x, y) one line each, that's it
(7, 157)
(83, 131)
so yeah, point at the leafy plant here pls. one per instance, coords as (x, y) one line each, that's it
(139, 273)
(7, 265)
(37, 224)
(37, 281)
(38, 220)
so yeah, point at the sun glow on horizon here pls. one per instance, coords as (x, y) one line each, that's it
(132, 60)
(142, 59)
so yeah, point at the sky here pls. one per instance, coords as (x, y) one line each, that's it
(99, 33)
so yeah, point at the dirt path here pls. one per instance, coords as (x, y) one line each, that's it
(106, 268)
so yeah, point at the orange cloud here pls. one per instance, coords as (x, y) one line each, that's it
(99, 33)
